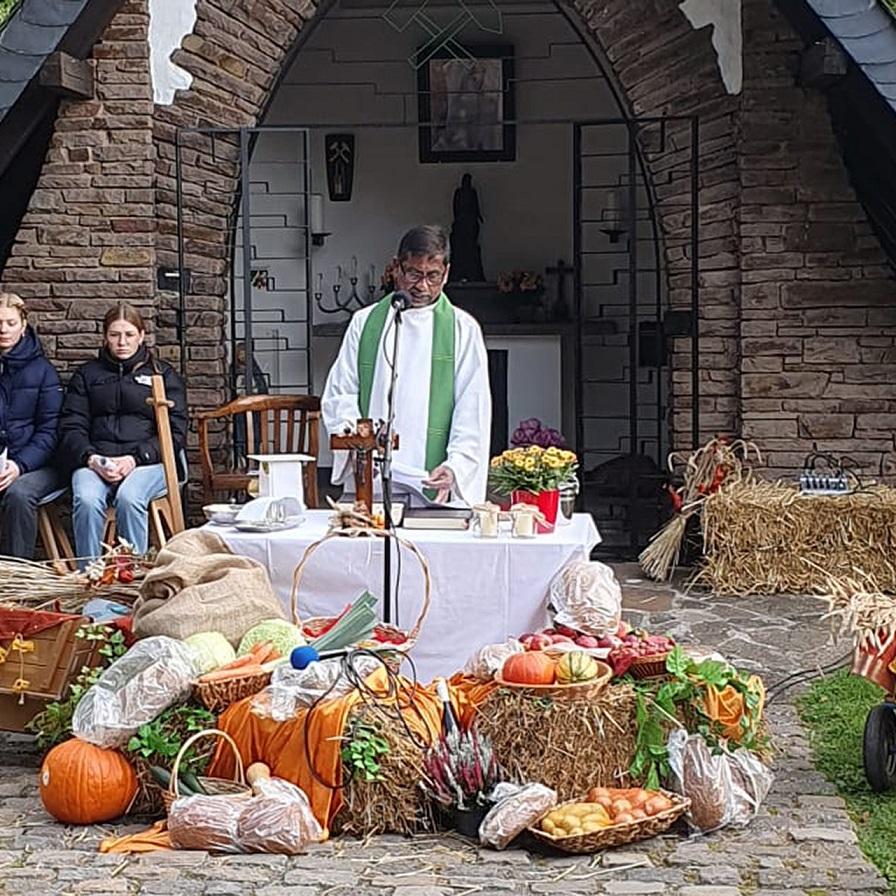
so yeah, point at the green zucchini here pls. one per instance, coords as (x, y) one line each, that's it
(189, 781)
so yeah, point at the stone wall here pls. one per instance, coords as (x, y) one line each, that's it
(817, 293)
(796, 322)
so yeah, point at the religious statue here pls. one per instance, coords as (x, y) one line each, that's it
(466, 256)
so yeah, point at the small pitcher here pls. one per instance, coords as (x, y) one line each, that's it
(485, 519)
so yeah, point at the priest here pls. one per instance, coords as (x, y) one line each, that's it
(442, 397)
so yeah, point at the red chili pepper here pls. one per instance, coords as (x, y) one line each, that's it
(677, 500)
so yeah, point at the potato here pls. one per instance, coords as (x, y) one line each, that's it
(596, 793)
(548, 826)
(589, 827)
(639, 797)
(656, 804)
(621, 805)
(624, 818)
(638, 814)
(577, 810)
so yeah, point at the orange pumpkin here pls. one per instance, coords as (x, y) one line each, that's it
(84, 784)
(532, 667)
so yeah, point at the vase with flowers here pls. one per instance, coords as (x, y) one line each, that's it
(534, 475)
(526, 288)
(460, 772)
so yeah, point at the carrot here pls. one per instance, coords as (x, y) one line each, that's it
(238, 663)
(259, 648)
(226, 674)
(269, 653)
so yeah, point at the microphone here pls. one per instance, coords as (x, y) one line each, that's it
(401, 300)
(302, 657)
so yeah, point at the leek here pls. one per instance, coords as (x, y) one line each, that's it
(355, 626)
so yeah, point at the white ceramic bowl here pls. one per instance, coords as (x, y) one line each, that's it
(223, 514)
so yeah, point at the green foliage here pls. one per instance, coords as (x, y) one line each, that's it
(54, 724)
(681, 698)
(159, 741)
(363, 748)
(834, 710)
(6, 10)
(890, 6)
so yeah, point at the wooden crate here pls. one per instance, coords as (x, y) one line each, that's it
(56, 660)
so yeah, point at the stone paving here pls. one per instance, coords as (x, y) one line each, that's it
(801, 844)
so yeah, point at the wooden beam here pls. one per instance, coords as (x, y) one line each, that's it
(65, 75)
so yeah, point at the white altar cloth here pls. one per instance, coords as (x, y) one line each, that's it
(483, 589)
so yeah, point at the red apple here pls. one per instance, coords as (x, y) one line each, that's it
(623, 630)
(565, 630)
(587, 641)
(537, 642)
(561, 639)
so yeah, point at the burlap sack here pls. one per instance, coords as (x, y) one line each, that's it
(198, 585)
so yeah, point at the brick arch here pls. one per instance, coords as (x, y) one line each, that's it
(644, 49)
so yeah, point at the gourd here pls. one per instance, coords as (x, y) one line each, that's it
(533, 667)
(575, 667)
(84, 784)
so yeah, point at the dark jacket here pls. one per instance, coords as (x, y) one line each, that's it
(105, 410)
(30, 399)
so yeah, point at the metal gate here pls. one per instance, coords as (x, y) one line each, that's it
(623, 170)
(268, 247)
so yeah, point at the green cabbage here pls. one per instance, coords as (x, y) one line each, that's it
(212, 650)
(282, 634)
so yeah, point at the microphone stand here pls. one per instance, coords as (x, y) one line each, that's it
(386, 471)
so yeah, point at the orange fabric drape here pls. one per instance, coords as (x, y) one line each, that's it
(281, 745)
(152, 839)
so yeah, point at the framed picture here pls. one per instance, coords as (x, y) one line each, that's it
(466, 107)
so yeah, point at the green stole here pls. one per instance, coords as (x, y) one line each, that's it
(441, 380)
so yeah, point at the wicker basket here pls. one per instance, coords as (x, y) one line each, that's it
(216, 696)
(212, 786)
(316, 623)
(617, 834)
(582, 690)
(650, 666)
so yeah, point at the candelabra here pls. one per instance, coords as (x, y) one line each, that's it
(353, 299)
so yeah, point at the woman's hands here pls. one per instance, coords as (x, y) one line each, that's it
(112, 469)
(9, 474)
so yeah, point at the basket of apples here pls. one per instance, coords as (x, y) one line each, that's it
(640, 654)
(561, 638)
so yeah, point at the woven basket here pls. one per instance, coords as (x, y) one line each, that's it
(212, 786)
(582, 690)
(316, 623)
(218, 695)
(650, 666)
(617, 834)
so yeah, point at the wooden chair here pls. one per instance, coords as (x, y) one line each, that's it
(166, 516)
(258, 424)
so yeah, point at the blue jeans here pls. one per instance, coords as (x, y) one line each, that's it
(92, 497)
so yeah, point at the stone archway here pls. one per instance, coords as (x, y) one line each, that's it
(790, 273)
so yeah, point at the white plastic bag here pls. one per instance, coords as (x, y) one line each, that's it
(153, 675)
(587, 597)
(516, 808)
(724, 788)
(278, 819)
(490, 659)
(292, 690)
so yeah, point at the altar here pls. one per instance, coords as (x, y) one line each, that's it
(483, 589)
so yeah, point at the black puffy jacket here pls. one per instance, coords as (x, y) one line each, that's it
(105, 410)
(30, 398)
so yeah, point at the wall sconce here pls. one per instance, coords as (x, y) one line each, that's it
(614, 215)
(316, 220)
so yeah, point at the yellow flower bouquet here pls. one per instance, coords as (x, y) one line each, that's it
(533, 469)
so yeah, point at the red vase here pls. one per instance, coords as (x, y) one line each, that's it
(547, 502)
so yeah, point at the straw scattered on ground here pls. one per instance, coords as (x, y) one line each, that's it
(766, 538)
(569, 745)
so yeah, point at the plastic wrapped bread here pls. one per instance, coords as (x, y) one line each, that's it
(278, 820)
(206, 822)
(515, 810)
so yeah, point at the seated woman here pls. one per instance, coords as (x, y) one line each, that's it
(108, 432)
(30, 399)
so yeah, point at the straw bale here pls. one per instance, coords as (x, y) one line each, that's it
(569, 745)
(766, 538)
(395, 804)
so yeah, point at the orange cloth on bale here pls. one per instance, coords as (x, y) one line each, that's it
(281, 745)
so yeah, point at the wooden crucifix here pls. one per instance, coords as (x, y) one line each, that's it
(364, 442)
(560, 271)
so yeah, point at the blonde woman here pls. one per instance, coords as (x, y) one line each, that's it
(108, 434)
(30, 401)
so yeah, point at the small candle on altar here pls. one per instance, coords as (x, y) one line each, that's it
(316, 214)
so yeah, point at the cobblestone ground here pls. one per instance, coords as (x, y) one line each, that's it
(801, 843)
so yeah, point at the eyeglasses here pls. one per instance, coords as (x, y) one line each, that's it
(433, 278)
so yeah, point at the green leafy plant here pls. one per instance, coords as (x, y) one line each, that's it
(159, 741)
(682, 700)
(362, 751)
(54, 723)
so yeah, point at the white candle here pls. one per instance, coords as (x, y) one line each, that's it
(316, 217)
